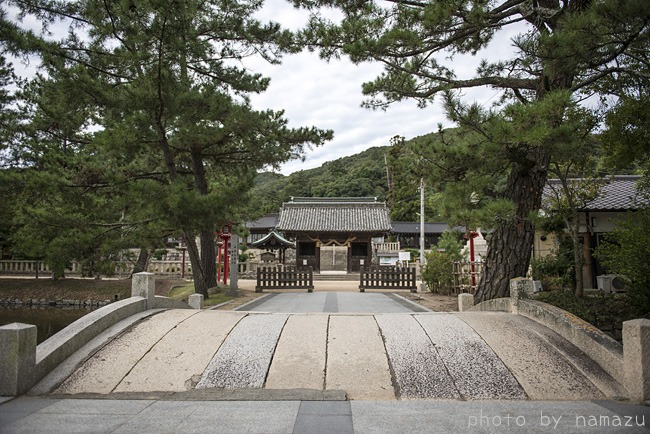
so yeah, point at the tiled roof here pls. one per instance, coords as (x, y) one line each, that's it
(273, 239)
(265, 222)
(619, 193)
(334, 215)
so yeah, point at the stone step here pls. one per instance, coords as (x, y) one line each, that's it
(336, 277)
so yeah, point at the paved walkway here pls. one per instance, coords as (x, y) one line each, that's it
(160, 416)
(350, 302)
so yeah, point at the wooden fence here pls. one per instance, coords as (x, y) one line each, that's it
(285, 278)
(466, 276)
(385, 277)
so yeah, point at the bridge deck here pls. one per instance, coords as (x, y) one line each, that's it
(468, 356)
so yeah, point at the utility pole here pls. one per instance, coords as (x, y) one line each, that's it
(421, 225)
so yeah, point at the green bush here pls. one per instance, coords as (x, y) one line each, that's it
(553, 270)
(438, 272)
(605, 311)
(627, 252)
(556, 269)
(451, 243)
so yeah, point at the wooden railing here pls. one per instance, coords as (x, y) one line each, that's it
(31, 267)
(168, 268)
(385, 277)
(386, 247)
(285, 278)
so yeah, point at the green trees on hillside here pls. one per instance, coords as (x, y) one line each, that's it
(563, 51)
(141, 126)
(358, 175)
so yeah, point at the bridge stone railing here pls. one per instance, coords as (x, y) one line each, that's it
(23, 363)
(628, 364)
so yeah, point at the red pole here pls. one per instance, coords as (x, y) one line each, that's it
(218, 262)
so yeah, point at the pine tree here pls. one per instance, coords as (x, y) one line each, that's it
(168, 115)
(563, 51)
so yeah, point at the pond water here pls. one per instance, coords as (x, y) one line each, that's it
(48, 320)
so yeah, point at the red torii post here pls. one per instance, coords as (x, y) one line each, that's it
(224, 234)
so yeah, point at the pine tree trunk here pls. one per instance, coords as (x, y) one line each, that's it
(141, 263)
(197, 266)
(203, 260)
(510, 245)
(208, 258)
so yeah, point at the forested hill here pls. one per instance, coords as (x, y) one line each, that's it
(363, 174)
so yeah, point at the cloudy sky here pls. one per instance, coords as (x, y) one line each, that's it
(328, 95)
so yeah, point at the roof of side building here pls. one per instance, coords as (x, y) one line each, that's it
(618, 193)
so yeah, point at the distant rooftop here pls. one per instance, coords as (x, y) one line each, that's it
(265, 222)
(333, 200)
(619, 193)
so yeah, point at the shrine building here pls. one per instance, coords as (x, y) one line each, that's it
(334, 235)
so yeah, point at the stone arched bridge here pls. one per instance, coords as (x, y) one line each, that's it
(402, 353)
(474, 355)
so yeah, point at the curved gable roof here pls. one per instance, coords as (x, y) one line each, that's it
(359, 215)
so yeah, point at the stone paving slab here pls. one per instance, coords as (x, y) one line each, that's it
(324, 417)
(541, 370)
(417, 368)
(106, 369)
(215, 417)
(243, 359)
(371, 302)
(497, 417)
(299, 359)
(38, 415)
(294, 302)
(182, 354)
(476, 370)
(356, 359)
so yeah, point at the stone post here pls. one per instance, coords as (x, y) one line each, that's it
(636, 358)
(17, 358)
(144, 285)
(234, 266)
(520, 287)
(196, 301)
(465, 302)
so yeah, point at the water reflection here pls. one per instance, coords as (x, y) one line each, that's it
(48, 320)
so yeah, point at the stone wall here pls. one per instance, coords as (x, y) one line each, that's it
(23, 364)
(628, 364)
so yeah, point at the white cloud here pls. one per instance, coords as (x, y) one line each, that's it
(328, 95)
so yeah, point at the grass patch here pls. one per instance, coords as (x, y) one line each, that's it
(183, 292)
